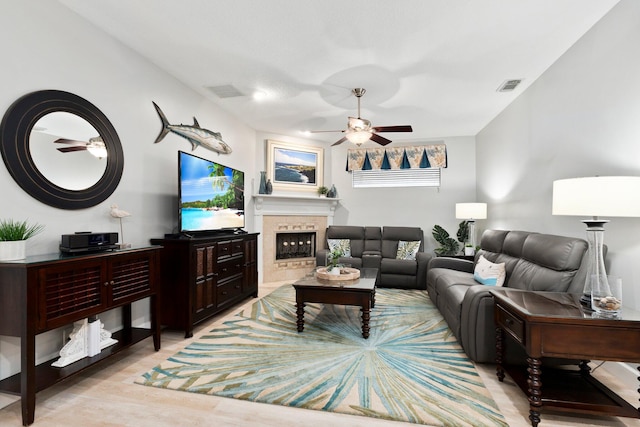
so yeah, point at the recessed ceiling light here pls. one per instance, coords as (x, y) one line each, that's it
(259, 95)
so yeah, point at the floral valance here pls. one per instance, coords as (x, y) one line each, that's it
(413, 157)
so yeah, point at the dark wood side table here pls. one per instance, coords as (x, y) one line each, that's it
(553, 324)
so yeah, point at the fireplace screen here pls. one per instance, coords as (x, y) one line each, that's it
(295, 245)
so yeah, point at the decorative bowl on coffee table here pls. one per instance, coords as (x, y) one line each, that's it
(346, 273)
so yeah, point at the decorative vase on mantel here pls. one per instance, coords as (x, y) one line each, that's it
(263, 183)
(332, 193)
(268, 187)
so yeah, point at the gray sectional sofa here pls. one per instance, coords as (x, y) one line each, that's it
(534, 261)
(377, 247)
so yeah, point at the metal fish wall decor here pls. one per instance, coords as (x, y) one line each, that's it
(196, 135)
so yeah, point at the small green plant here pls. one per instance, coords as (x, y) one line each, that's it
(11, 230)
(322, 190)
(332, 259)
(448, 245)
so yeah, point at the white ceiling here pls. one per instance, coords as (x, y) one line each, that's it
(433, 64)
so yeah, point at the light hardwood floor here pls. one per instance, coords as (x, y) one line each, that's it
(105, 395)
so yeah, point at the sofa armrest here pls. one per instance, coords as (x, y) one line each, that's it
(452, 264)
(477, 327)
(423, 259)
(478, 330)
(321, 257)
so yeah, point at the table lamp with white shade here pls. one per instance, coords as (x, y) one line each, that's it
(595, 197)
(470, 212)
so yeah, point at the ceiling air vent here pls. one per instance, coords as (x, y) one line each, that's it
(225, 91)
(509, 85)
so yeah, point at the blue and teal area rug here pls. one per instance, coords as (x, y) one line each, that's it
(410, 369)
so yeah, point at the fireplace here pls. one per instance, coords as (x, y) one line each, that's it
(284, 219)
(295, 245)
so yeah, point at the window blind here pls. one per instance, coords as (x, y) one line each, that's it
(396, 178)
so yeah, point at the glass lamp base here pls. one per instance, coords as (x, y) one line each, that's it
(585, 301)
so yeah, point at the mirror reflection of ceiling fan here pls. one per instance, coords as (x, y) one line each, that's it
(95, 146)
(359, 130)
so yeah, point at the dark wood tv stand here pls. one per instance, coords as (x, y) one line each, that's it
(205, 274)
(45, 292)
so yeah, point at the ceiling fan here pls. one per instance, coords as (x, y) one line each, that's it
(95, 146)
(360, 130)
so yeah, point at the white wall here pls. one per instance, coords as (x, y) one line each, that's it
(411, 206)
(46, 46)
(581, 118)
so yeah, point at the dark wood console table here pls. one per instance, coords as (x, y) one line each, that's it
(44, 292)
(553, 324)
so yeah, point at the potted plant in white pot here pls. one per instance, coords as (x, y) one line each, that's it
(333, 267)
(13, 237)
(322, 191)
(469, 250)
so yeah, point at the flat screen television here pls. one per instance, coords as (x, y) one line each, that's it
(211, 195)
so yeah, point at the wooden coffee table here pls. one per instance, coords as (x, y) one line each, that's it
(360, 292)
(554, 324)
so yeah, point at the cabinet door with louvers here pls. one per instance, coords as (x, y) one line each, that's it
(69, 292)
(130, 277)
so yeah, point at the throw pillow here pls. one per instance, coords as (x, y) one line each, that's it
(407, 250)
(343, 245)
(489, 273)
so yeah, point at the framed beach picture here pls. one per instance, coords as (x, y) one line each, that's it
(294, 167)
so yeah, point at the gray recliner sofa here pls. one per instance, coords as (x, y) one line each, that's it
(533, 262)
(376, 247)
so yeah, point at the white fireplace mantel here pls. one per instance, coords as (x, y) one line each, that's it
(297, 207)
(270, 204)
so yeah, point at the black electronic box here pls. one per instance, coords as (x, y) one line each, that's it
(88, 242)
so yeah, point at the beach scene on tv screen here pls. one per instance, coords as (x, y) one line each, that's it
(211, 195)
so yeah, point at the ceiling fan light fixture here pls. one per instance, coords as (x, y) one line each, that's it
(358, 137)
(259, 95)
(97, 149)
(358, 124)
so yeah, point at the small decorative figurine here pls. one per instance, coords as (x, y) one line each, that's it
(119, 213)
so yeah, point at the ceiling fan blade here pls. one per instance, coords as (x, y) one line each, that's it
(380, 139)
(403, 128)
(340, 141)
(320, 131)
(71, 149)
(70, 141)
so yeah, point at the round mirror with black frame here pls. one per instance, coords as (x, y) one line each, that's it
(16, 131)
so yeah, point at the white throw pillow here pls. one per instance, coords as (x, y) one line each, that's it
(488, 273)
(343, 245)
(407, 250)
